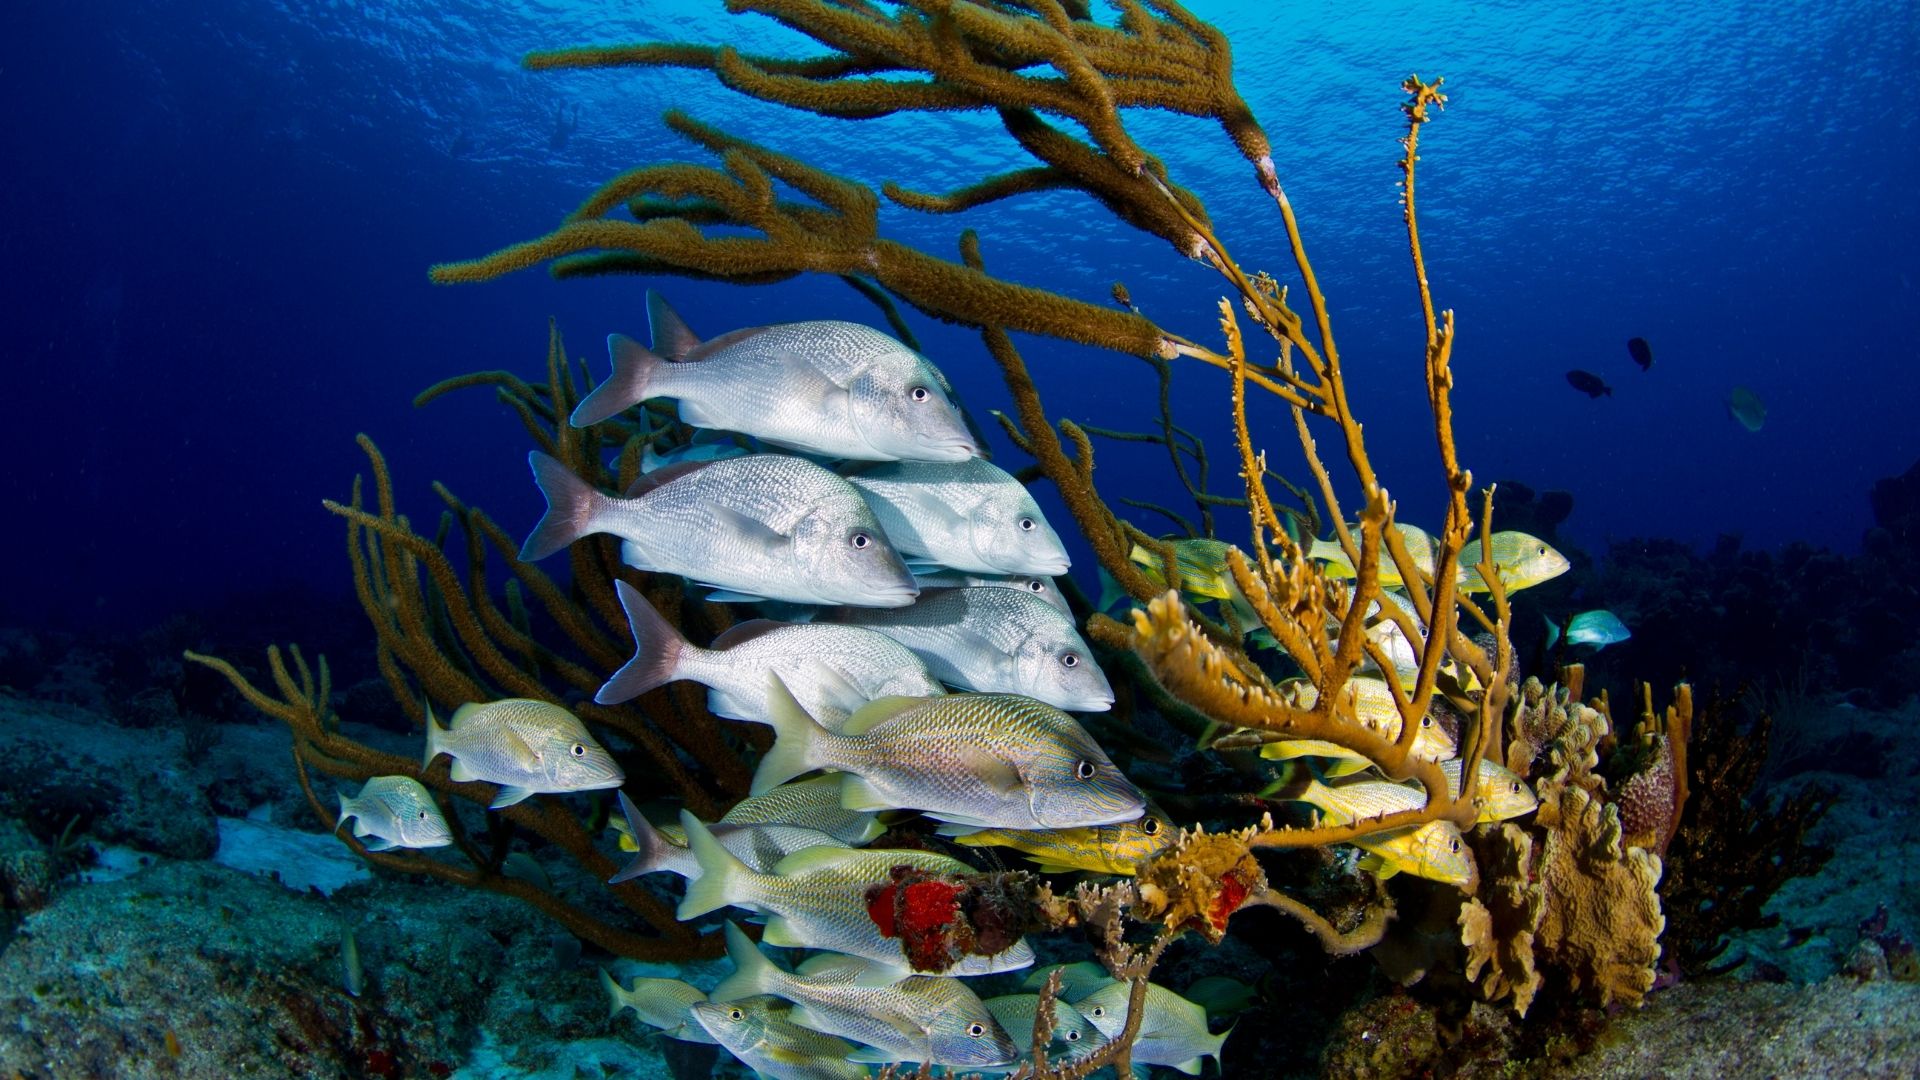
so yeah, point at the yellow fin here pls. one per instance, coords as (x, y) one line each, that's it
(876, 711)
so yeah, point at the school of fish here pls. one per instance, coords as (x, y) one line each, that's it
(924, 661)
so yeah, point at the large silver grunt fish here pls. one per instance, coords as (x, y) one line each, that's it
(838, 389)
(527, 747)
(992, 760)
(993, 640)
(967, 515)
(761, 526)
(903, 1016)
(832, 669)
(817, 898)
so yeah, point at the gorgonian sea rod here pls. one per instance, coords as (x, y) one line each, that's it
(1415, 683)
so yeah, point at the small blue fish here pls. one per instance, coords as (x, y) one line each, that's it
(1598, 628)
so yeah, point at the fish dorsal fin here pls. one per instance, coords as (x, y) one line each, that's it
(813, 860)
(877, 711)
(708, 348)
(741, 633)
(464, 713)
(672, 338)
(829, 963)
(664, 475)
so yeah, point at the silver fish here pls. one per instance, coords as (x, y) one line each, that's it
(832, 669)
(760, 1032)
(666, 1004)
(1596, 628)
(1074, 1036)
(817, 898)
(905, 1017)
(969, 515)
(394, 812)
(759, 846)
(527, 747)
(837, 389)
(814, 804)
(1173, 1032)
(1045, 588)
(760, 526)
(992, 760)
(994, 641)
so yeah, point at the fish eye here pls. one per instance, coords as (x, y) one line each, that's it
(1085, 769)
(919, 393)
(1426, 721)
(1070, 660)
(1073, 1035)
(1515, 788)
(1027, 525)
(579, 750)
(860, 541)
(423, 815)
(1034, 585)
(1097, 1011)
(976, 1029)
(736, 1014)
(1150, 826)
(1454, 846)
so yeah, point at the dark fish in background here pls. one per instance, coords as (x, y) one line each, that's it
(1745, 406)
(1641, 352)
(1588, 383)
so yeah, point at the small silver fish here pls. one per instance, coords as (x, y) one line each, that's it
(394, 812)
(353, 977)
(1045, 588)
(967, 515)
(1173, 1032)
(813, 804)
(759, 846)
(994, 641)
(992, 760)
(1598, 628)
(906, 1017)
(1074, 1036)
(831, 669)
(817, 898)
(837, 389)
(666, 1004)
(527, 747)
(760, 1032)
(762, 526)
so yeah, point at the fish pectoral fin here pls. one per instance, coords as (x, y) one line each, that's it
(379, 843)
(764, 538)
(1377, 865)
(995, 771)
(873, 1055)
(459, 772)
(783, 933)
(857, 794)
(508, 795)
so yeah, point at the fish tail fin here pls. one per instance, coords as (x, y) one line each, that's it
(616, 996)
(1110, 591)
(720, 873)
(1553, 631)
(634, 367)
(672, 338)
(571, 505)
(649, 846)
(796, 737)
(340, 819)
(435, 734)
(1219, 1042)
(752, 974)
(657, 648)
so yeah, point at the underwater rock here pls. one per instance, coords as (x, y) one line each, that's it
(298, 860)
(1896, 505)
(58, 763)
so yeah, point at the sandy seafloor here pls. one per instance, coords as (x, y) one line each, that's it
(206, 941)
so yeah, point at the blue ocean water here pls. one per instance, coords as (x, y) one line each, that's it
(217, 218)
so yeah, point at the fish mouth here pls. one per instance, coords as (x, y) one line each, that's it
(1088, 703)
(1051, 567)
(957, 449)
(887, 596)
